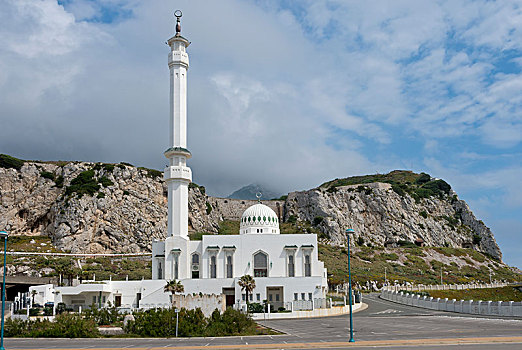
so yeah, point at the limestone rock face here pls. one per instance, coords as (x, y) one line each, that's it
(379, 215)
(128, 210)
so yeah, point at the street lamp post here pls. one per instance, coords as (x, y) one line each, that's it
(348, 232)
(4, 235)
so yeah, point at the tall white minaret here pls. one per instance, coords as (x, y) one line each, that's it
(177, 174)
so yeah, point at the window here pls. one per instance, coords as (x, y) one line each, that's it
(309, 296)
(229, 267)
(307, 265)
(160, 271)
(104, 299)
(175, 266)
(258, 297)
(277, 297)
(291, 265)
(195, 265)
(213, 267)
(295, 296)
(302, 296)
(243, 296)
(94, 299)
(251, 297)
(260, 265)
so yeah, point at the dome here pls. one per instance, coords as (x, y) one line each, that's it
(259, 218)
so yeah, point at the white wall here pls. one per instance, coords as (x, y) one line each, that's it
(492, 308)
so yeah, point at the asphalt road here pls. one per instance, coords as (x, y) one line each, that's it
(382, 325)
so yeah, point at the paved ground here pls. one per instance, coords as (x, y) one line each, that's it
(382, 325)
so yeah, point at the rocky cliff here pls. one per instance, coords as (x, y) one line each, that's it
(94, 207)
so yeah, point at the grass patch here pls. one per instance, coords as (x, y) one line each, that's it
(494, 294)
(229, 227)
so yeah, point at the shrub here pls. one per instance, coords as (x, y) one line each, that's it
(103, 316)
(64, 326)
(423, 178)
(476, 239)
(58, 182)
(318, 220)
(105, 182)
(126, 193)
(10, 162)
(292, 219)
(209, 208)
(423, 214)
(47, 175)
(83, 183)
(153, 173)
(100, 195)
(255, 308)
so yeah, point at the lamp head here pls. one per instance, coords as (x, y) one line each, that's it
(349, 231)
(4, 234)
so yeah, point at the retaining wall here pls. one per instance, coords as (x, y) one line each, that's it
(491, 308)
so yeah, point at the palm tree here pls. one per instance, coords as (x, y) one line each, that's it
(248, 284)
(174, 287)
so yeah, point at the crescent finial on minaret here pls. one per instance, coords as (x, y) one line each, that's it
(178, 15)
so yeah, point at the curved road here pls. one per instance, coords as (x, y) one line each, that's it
(383, 324)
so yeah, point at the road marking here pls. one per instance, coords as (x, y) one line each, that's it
(338, 344)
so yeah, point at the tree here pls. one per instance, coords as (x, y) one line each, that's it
(33, 294)
(248, 284)
(174, 287)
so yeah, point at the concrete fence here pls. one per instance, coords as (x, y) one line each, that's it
(422, 287)
(491, 308)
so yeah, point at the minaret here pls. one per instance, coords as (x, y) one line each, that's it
(177, 174)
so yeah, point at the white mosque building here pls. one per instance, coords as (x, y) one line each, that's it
(285, 267)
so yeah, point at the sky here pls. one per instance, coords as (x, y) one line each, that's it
(289, 94)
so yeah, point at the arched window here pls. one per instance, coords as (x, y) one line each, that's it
(229, 267)
(195, 265)
(307, 266)
(291, 265)
(213, 267)
(260, 265)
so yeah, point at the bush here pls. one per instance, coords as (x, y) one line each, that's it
(10, 162)
(255, 308)
(58, 182)
(103, 316)
(47, 175)
(318, 220)
(423, 178)
(209, 208)
(192, 323)
(476, 239)
(292, 219)
(83, 183)
(423, 214)
(64, 326)
(105, 182)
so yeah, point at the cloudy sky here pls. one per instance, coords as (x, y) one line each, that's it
(285, 93)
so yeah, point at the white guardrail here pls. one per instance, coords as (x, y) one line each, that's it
(490, 308)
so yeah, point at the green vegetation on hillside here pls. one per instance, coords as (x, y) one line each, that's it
(403, 182)
(7, 161)
(370, 264)
(508, 293)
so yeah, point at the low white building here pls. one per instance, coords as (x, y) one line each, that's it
(286, 267)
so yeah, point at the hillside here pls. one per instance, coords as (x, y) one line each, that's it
(97, 207)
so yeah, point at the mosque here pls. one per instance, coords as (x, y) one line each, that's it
(285, 267)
